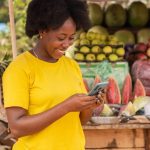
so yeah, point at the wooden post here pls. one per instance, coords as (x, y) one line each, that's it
(12, 28)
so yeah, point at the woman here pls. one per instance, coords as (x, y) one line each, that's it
(44, 96)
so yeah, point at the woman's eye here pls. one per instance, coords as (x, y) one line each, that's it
(72, 38)
(61, 39)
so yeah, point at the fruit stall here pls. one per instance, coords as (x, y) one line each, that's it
(116, 49)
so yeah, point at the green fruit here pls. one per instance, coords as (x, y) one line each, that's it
(106, 111)
(96, 49)
(143, 35)
(113, 43)
(90, 35)
(85, 49)
(138, 14)
(79, 57)
(82, 35)
(90, 57)
(120, 51)
(97, 36)
(84, 42)
(95, 42)
(125, 36)
(113, 57)
(103, 37)
(107, 49)
(99, 29)
(115, 16)
(140, 102)
(112, 38)
(128, 110)
(95, 13)
(101, 57)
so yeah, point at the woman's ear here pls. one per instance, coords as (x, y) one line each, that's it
(41, 34)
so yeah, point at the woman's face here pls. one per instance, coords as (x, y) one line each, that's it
(55, 42)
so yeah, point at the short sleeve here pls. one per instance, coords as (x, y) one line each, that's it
(15, 87)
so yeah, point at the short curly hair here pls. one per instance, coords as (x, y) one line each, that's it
(46, 14)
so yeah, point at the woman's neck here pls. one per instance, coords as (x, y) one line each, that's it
(40, 52)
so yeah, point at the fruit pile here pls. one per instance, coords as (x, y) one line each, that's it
(123, 99)
(139, 51)
(93, 46)
(112, 15)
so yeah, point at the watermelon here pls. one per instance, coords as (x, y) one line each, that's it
(112, 92)
(115, 16)
(97, 79)
(139, 89)
(138, 14)
(125, 36)
(143, 35)
(127, 89)
(95, 14)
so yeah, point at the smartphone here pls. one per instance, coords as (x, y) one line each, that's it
(97, 88)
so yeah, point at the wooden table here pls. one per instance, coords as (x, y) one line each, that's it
(134, 135)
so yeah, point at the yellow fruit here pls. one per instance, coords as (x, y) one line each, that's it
(101, 57)
(107, 49)
(85, 49)
(95, 49)
(95, 42)
(90, 57)
(79, 57)
(84, 42)
(113, 57)
(90, 35)
(82, 35)
(120, 51)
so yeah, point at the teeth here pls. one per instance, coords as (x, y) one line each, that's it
(62, 51)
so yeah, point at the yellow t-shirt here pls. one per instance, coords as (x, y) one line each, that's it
(37, 86)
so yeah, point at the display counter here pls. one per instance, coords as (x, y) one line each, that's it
(134, 135)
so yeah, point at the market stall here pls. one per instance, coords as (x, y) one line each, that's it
(103, 55)
(134, 135)
(116, 49)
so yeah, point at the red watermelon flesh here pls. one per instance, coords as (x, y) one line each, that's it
(113, 93)
(139, 89)
(127, 89)
(97, 79)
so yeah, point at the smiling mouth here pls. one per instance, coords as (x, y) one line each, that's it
(61, 51)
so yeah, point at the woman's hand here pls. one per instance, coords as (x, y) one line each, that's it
(79, 102)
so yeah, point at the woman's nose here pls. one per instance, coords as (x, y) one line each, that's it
(67, 43)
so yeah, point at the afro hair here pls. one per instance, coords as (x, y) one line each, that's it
(51, 14)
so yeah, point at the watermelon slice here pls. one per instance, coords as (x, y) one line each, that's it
(139, 89)
(127, 89)
(97, 79)
(113, 93)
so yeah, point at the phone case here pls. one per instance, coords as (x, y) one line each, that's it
(97, 87)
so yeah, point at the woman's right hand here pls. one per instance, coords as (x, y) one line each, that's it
(79, 102)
